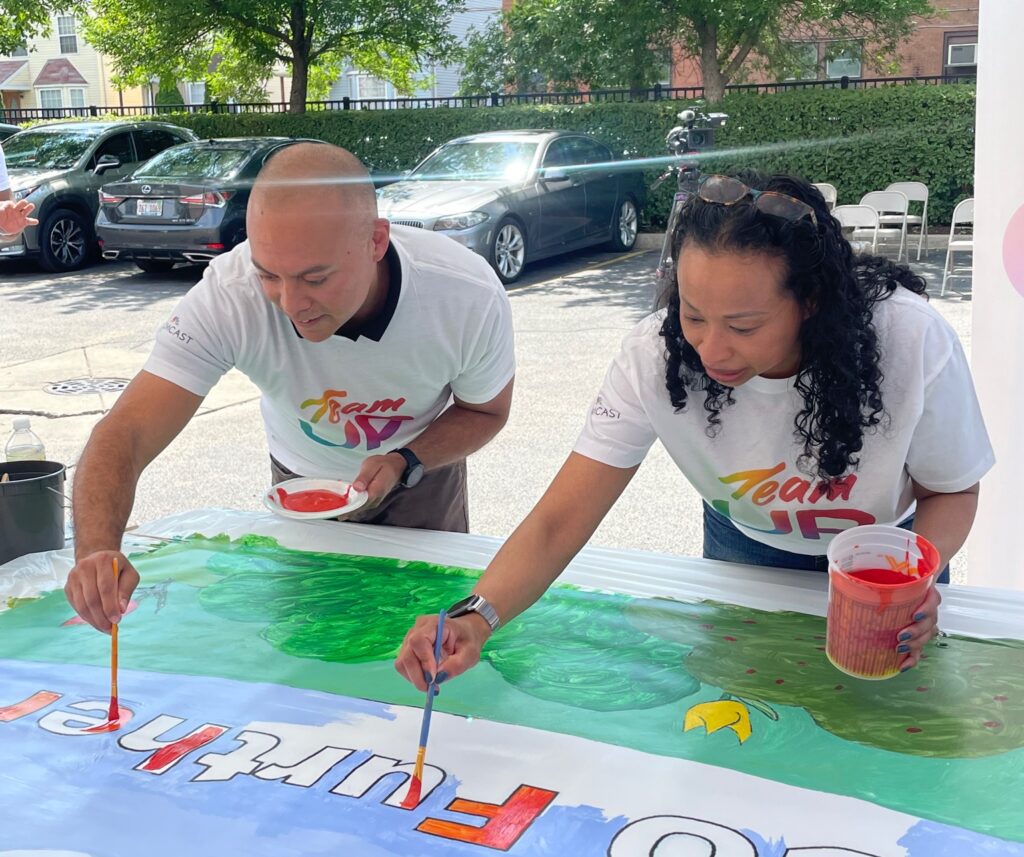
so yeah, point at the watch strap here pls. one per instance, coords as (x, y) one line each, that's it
(411, 461)
(479, 605)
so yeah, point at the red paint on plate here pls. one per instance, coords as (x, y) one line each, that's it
(317, 500)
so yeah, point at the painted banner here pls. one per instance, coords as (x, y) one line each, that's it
(261, 715)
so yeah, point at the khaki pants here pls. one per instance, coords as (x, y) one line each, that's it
(437, 503)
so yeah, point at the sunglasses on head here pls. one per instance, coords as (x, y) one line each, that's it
(725, 190)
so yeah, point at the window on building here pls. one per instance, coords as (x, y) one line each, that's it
(961, 54)
(843, 62)
(370, 87)
(76, 97)
(804, 61)
(50, 98)
(197, 93)
(66, 32)
(20, 51)
(665, 67)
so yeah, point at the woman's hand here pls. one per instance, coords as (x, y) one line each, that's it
(461, 645)
(912, 639)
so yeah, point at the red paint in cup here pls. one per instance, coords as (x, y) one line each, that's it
(878, 577)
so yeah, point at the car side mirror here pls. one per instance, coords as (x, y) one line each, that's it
(554, 174)
(106, 162)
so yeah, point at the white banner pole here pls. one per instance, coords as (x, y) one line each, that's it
(996, 548)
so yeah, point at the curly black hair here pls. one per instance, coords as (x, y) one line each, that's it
(839, 376)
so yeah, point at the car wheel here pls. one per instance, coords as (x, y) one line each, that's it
(66, 241)
(625, 226)
(508, 250)
(155, 266)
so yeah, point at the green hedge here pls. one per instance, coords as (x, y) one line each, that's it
(859, 140)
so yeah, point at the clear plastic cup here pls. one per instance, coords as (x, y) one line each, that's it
(878, 575)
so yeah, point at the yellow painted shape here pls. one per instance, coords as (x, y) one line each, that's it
(720, 714)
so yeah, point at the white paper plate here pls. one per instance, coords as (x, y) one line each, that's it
(271, 498)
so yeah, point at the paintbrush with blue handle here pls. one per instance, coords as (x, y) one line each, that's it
(416, 786)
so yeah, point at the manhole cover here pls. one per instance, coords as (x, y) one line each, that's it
(81, 386)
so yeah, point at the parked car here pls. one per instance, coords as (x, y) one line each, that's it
(185, 205)
(518, 196)
(6, 130)
(60, 168)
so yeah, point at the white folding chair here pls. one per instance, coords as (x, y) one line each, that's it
(859, 218)
(963, 215)
(829, 192)
(891, 206)
(916, 192)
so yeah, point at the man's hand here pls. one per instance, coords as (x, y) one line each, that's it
(14, 216)
(94, 593)
(378, 477)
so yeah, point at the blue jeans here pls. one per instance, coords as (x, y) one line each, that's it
(724, 541)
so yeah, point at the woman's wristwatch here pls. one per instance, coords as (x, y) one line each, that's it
(475, 604)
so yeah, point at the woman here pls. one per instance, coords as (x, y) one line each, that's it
(802, 390)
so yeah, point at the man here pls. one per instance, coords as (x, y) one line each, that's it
(362, 340)
(14, 216)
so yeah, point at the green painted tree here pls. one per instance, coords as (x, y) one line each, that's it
(964, 700)
(388, 38)
(608, 43)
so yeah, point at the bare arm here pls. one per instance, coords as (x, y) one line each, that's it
(462, 430)
(149, 414)
(945, 520)
(458, 432)
(535, 554)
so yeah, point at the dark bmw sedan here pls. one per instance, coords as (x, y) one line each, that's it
(518, 196)
(185, 205)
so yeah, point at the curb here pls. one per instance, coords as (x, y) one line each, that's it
(649, 241)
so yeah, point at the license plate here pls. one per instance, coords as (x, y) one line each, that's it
(149, 208)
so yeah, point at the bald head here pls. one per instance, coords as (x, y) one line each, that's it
(329, 178)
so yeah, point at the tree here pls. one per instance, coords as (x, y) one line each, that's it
(23, 20)
(566, 44)
(603, 42)
(385, 37)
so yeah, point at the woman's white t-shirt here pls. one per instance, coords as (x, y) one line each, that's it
(748, 472)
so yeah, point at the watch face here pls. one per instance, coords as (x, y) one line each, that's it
(459, 608)
(413, 476)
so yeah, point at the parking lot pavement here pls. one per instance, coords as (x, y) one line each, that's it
(570, 316)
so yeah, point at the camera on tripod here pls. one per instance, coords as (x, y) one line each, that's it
(695, 133)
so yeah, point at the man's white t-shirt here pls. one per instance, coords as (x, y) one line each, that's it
(748, 472)
(328, 405)
(5, 181)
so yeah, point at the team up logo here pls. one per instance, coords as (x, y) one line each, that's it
(771, 486)
(173, 327)
(366, 424)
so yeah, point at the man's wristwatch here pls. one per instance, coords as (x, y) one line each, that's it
(414, 468)
(475, 604)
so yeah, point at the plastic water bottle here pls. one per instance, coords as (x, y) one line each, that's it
(24, 444)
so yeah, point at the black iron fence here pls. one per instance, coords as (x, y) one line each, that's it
(493, 99)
